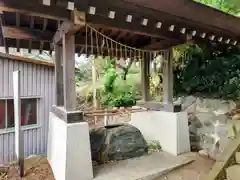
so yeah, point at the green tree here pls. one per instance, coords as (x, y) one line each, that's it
(228, 6)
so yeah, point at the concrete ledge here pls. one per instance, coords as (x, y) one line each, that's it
(156, 106)
(67, 116)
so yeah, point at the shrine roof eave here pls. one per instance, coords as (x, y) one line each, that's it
(162, 19)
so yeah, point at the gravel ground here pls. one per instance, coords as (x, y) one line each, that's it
(36, 168)
(194, 171)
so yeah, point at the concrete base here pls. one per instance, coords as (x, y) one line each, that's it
(69, 153)
(168, 128)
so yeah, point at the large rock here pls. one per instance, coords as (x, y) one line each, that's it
(117, 142)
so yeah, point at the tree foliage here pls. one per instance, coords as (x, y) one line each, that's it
(116, 92)
(210, 70)
(228, 6)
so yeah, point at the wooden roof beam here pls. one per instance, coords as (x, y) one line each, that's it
(2, 39)
(133, 27)
(23, 33)
(45, 23)
(160, 45)
(77, 22)
(27, 34)
(18, 25)
(30, 8)
(31, 26)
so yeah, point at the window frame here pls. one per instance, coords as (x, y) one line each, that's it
(23, 127)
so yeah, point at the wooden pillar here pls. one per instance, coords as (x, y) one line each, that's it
(145, 74)
(59, 101)
(94, 85)
(168, 78)
(69, 72)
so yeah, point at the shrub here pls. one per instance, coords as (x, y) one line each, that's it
(116, 91)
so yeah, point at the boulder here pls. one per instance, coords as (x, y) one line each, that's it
(117, 142)
(206, 118)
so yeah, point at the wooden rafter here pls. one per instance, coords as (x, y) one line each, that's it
(112, 33)
(31, 26)
(163, 44)
(18, 26)
(32, 9)
(2, 38)
(121, 35)
(136, 31)
(45, 22)
(154, 11)
(27, 34)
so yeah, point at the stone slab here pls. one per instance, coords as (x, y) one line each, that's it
(142, 168)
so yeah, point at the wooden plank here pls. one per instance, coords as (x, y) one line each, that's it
(19, 136)
(27, 33)
(59, 96)
(32, 9)
(69, 72)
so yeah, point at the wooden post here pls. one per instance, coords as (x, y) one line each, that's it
(69, 72)
(168, 78)
(58, 75)
(19, 138)
(145, 73)
(94, 86)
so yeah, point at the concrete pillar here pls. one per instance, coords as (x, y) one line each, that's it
(69, 152)
(145, 74)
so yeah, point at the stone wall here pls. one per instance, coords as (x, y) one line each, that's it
(210, 125)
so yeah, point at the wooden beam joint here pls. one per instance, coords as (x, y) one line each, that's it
(78, 20)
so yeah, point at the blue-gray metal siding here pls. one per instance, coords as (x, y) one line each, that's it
(37, 81)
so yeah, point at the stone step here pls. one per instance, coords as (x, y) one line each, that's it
(233, 172)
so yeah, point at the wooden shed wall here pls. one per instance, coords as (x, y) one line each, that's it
(37, 81)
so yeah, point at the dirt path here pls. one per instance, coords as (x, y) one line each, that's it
(193, 171)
